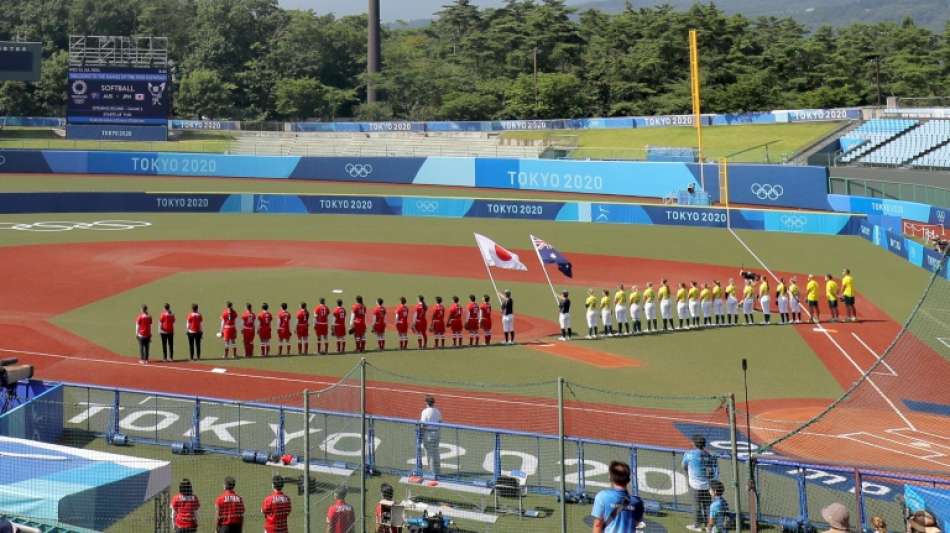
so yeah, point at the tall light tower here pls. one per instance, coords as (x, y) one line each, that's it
(374, 50)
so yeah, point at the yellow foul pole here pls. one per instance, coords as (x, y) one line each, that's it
(697, 111)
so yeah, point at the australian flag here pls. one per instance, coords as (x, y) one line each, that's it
(551, 256)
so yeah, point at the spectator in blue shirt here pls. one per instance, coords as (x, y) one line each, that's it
(615, 509)
(701, 468)
(718, 509)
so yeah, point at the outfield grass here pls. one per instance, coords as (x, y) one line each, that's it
(740, 144)
(46, 139)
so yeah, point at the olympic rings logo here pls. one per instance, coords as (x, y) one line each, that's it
(427, 206)
(794, 222)
(767, 191)
(65, 225)
(358, 170)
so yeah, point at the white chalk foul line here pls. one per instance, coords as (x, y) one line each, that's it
(890, 371)
(861, 371)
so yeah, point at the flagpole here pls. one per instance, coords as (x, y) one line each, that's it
(488, 269)
(546, 275)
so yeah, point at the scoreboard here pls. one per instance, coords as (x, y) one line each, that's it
(116, 95)
(20, 61)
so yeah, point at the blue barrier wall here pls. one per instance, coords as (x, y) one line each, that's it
(40, 417)
(116, 132)
(437, 207)
(766, 185)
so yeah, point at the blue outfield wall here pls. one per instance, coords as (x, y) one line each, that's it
(761, 185)
(435, 207)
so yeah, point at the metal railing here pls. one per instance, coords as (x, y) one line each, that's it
(891, 190)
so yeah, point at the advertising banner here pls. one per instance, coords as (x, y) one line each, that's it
(114, 95)
(116, 132)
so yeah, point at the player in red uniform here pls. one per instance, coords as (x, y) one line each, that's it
(166, 331)
(230, 507)
(340, 515)
(194, 332)
(438, 322)
(228, 329)
(283, 329)
(402, 323)
(455, 322)
(143, 333)
(248, 320)
(264, 321)
(358, 324)
(276, 508)
(339, 326)
(471, 320)
(303, 330)
(321, 326)
(419, 325)
(185, 507)
(484, 320)
(379, 323)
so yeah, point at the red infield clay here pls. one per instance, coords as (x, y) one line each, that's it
(582, 354)
(39, 282)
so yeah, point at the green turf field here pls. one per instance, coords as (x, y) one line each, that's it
(46, 139)
(740, 144)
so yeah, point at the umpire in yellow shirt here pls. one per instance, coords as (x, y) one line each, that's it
(811, 296)
(831, 294)
(847, 292)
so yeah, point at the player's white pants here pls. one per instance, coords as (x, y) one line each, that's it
(707, 309)
(607, 317)
(508, 323)
(782, 304)
(765, 301)
(634, 311)
(682, 310)
(717, 306)
(732, 305)
(565, 320)
(694, 308)
(747, 305)
(620, 311)
(666, 310)
(793, 305)
(591, 318)
(649, 311)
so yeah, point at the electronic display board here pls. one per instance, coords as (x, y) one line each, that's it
(20, 61)
(115, 95)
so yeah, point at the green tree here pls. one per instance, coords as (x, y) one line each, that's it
(556, 95)
(204, 93)
(302, 98)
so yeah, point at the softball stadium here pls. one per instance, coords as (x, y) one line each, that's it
(799, 409)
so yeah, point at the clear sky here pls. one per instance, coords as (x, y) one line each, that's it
(391, 9)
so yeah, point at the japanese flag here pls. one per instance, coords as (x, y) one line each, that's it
(498, 256)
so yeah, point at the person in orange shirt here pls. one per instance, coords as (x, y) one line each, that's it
(402, 323)
(283, 329)
(228, 331)
(303, 330)
(143, 333)
(194, 333)
(248, 321)
(358, 324)
(471, 320)
(321, 326)
(264, 321)
(455, 322)
(166, 331)
(379, 323)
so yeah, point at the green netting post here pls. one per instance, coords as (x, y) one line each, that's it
(560, 439)
(306, 459)
(734, 450)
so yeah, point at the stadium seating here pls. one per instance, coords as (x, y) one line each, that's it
(938, 158)
(872, 134)
(386, 145)
(911, 145)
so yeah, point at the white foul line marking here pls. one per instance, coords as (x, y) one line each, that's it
(861, 372)
(890, 371)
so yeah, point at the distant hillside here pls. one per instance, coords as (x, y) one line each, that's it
(929, 13)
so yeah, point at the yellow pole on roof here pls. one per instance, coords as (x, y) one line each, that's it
(697, 110)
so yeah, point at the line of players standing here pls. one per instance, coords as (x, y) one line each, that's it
(455, 320)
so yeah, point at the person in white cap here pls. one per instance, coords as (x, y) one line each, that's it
(838, 518)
